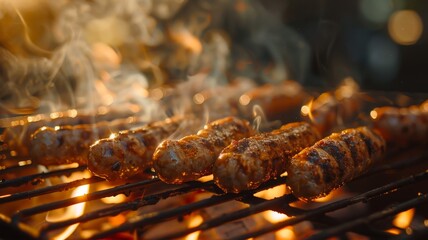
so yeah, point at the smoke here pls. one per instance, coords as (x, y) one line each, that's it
(87, 54)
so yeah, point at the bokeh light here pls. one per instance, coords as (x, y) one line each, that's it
(405, 27)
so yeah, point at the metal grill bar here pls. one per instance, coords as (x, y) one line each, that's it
(184, 210)
(18, 167)
(338, 205)
(88, 197)
(35, 178)
(371, 218)
(50, 189)
(118, 208)
(267, 205)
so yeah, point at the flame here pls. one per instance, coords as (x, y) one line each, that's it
(195, 221)
(72, 211)
(274, 217)
(403, 219)
(272, 193)
(114, 199)
(373, 114)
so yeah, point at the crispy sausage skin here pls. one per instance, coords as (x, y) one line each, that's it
(129, 153)
(333, 161)
(247, 163)
(70, 144)
(401, 127)
(18, 136)
(178, 161)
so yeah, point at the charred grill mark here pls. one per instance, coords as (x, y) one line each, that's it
(350, 143)
(313, 156)
(332, 148)
(369, 143)
(317, 170)
(116, 166)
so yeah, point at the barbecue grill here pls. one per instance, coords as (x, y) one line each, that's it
(125, 61)
(394, 187)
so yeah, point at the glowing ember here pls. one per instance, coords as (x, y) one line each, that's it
(195, 221)
(114, 199)
(373, 114)
(272, 193)
(403, 219)
(72, 211)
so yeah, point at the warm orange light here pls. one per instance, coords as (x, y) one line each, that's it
(304, 110)
(285, 234)
(198, 98)
(403, 219)
(373, 114)
(244, 100)
(272, 193)
(274, 217)
(206, 178)
(114, 199)
(184, 37)
(195, 221)
(405, 27)
(72, 211)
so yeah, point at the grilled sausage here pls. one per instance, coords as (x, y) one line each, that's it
(247, 163)
(278, 101)
(129, 153)
(332, 161)
(18, 135)
(332, 109)
(178, 161)
(401, 127)
(70, 144)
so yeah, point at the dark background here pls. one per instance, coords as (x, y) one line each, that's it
(342, 41)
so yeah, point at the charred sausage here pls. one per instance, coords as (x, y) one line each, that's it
(247, 163)
(178, 161)
(70, 144)
(333, 161)
(129, 153)
(401, 127)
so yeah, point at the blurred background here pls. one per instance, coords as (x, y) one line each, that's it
(56, 54)
(382, 44)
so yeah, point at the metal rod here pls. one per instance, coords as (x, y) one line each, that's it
(337, 205)
(371, 218)
(157, 217)
(121, 207)
(88, 197)
(32, 178)
(50, 189)
(267, 205)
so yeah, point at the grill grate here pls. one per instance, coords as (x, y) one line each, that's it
(325, 226)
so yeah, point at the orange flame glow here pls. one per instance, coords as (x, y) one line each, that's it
(195, 221)
(72, 211)
(403, 219)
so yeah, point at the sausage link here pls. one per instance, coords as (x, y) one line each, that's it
(401, 127)
(129, 153)
(247, 163)
(333, 161)
(70, 144)
(18, 135)
(178, 161)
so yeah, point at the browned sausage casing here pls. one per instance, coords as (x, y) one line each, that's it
(401, 127)
(178, 161)
(247, 163)
(332, 161)
(18, 136)
(128, 154)
(70, 144)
